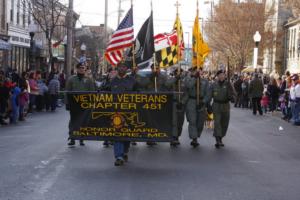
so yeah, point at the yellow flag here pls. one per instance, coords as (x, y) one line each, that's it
(180, 42)
(200, 48)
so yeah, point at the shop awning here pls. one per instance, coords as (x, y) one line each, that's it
(251, 69)
(4, 45)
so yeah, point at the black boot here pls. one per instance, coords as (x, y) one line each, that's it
(218, 143)
(133, 143)
(72, 142)
(194, 143)
(106, 144)
(2, 122)
(221, 142)
(151, 144)
(119, 162)
(175, 142)
(81, 143)
(125, 157)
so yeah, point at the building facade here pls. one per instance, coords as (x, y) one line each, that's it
(292, 49)
(4, 45)
(273, 55)
(18, 19)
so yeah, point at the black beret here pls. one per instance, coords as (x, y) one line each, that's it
(220, 72)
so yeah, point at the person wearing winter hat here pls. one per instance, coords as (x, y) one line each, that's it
(295, 99)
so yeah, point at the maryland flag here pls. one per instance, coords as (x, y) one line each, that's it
(168, 52)
(167, 57)
(200, 48)
(178, 27)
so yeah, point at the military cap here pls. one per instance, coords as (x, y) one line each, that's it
(220, 72)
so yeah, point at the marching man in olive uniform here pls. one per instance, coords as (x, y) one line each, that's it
(195, 108)
(155, 83)
(222, 92)
(176, 84)
(78, 82)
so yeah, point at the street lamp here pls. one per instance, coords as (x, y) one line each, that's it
(32, 29)
(83, 50)
(83, 47)
(257, 39)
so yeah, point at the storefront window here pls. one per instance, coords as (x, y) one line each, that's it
(21, 59)
(1, 60)
(17, 58)
(13, 58)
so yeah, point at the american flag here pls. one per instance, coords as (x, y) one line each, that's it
(122, 38)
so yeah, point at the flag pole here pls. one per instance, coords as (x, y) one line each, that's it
(178, 50)
(154, 61)
(133, 50)
(198, 38)
(197, 57)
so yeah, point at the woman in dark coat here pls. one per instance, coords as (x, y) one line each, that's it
(273, 92)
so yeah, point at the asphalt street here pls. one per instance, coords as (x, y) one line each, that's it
(259, 162)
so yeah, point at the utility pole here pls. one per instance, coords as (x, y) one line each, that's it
(119, 12)
(105, 36)
(69, 38)
(228, 68)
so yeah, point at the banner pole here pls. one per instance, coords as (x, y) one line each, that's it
(155, 82)
(179, 89)
(155, 76)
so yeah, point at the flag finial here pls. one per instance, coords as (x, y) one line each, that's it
(177, 4)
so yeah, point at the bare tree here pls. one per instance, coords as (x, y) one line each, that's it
(48, 14)
(295, 6)
(231, 29)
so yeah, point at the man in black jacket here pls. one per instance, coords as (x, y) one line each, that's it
(238, 89)
(121, 83)
(256, 89)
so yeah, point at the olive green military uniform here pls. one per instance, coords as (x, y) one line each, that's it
(141, 82)
(75, 83)
(196, 114)
(222, 93)
(148, 84)
(179, 102)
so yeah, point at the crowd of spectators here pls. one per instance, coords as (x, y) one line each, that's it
(269, 94)
(28, 92)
